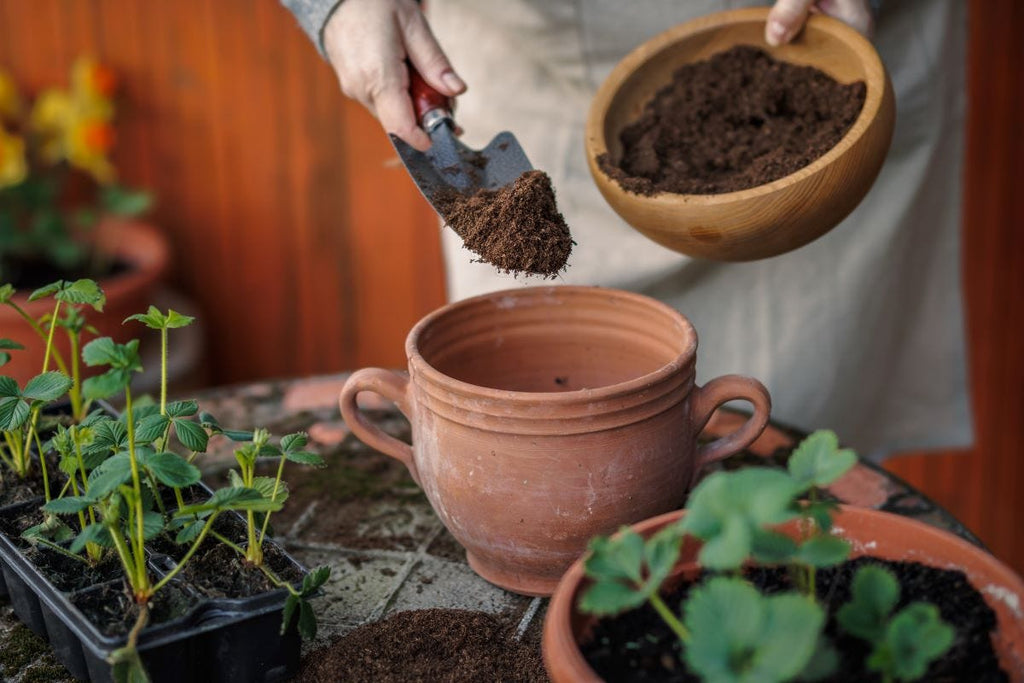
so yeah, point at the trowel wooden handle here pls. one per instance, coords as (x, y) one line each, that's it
(424, 97)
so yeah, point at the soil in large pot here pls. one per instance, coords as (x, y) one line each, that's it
(731, 122)
(429, 645)
(638, 646)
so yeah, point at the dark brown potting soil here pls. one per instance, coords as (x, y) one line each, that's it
(637, 646)
(734, 121)
(16, 519)
(68, 574)
(517, 228)
(114, 612)
(437, 645)
(220, 572)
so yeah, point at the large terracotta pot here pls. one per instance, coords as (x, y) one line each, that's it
(543, 416)
(872, 532)
(145, 251)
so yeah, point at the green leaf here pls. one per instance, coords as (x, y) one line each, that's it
(5, 358)
(729, 549)
(7, 293)
(265, 485)
(191, 435)
(151, 428)
(124, 202)
(821, 512)
(102, 351)
(48, 386)
(46, 290)
(607, 597)
(152, 318)
(293, 442)
(818, 461)
(172, 470)
(10, 344)
(915, 637)
(823, 551)
(183, 408)
(176, 320)
(83, 291)
(618, 557)
(307, 621)
(110, 474)
(69, 505)
(104, 386)
(304, 458)
(189, 532)
(822, 664)
(93, 533)
(235, 479)
(873, 596)
(152, 524)
(13, 413)
(772, 547)
(288, 614)
(660, 554)
(9, 388)
(316, 578)
(232, 498)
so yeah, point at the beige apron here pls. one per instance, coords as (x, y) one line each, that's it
(860, 331)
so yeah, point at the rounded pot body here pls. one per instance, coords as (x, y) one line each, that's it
(871, 532)
(544, 416)
(145, 252)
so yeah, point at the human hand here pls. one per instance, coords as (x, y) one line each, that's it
(787, 17)
(368, 42)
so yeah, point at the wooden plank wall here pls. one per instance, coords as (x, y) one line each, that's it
(303, 242)
(309, 250)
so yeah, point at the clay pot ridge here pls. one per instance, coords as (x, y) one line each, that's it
(456, 371)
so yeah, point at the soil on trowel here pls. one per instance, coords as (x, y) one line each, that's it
(637, 645)
(443, 645)
(516, 228)
(734, 121)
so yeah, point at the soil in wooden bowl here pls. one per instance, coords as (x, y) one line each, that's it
(638, 646)
(429, 645)
(113, 611)
(516, 228)
(734, 121)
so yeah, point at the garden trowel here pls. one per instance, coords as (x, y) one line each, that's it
(449, 164)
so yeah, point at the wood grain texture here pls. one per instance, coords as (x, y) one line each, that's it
(985, 486)
(296, 231)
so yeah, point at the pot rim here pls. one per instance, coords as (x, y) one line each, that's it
(998, 584)
(420, 366)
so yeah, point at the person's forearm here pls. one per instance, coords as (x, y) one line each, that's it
(312, 16)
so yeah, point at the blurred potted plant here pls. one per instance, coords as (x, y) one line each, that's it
(63, 215)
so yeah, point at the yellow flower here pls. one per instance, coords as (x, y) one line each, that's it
(88, 142)
(10, 100)
(91, 79)
(50, 119)
(13, 168)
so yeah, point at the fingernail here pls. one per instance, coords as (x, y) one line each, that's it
(776, 33)
(453, 82)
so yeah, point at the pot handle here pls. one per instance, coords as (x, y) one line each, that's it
(391, 385)
(713, 394)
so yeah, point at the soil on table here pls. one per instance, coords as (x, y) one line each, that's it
(114, 612)
(734, 121)
(218, 571)
(517, 228)
(638, 646)
(443, 645)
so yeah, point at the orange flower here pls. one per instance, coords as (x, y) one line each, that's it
(90, 78)
(88, 143)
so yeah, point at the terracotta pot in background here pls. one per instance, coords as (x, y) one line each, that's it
(543, 416)
(872, 532)
(146, 252)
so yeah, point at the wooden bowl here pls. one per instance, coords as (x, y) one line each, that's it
(769, 219)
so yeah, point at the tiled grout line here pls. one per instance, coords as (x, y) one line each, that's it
(403, 574)
(527, 619)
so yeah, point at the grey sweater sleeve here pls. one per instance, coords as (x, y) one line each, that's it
(312, 16)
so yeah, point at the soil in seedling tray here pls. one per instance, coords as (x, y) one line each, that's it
(14, 522)
(218, 571)
(428, 645)
(14, 489)
(517, 228)
(114, 612)
(70, 575)
(734, 121)
(637, 646)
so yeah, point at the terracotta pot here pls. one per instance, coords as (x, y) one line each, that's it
(542, 416)
(872, 532)
(146, 252)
